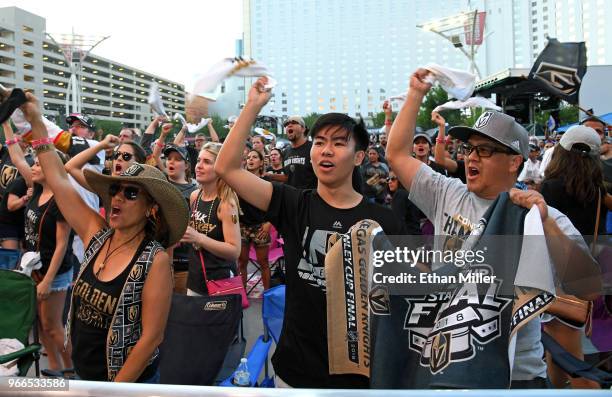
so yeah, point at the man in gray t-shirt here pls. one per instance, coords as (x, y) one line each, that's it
(494, 150)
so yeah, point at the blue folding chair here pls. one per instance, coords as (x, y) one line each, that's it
(272, 313)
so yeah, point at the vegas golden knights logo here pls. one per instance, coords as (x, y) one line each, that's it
(7, 175)
(440, 352)
(114, 338)
(136, 272)
(133, 313)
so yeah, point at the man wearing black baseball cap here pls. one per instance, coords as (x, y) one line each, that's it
(494, 149)
(81, 125)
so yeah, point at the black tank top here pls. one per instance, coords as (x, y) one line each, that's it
(95, 302)
(216, 267)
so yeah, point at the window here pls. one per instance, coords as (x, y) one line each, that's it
(28, 54)
(27, 28)
(28, 42)
(28, 78)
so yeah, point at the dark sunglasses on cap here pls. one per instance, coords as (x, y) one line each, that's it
(124, 155)
(129, 192)
(290, 122)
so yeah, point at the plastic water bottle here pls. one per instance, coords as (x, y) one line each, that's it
(242, 377)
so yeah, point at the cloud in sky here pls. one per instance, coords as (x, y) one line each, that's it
(175, 39)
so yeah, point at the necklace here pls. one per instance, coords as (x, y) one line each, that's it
(208, 224)
(109, 254)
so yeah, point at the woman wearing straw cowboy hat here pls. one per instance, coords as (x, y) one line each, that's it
(121, 298)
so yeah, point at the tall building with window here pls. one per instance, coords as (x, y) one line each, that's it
(109, 90)
(347, 56)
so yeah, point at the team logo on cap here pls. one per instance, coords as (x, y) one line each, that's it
(483, 120)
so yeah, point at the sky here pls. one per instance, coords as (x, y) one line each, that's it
(174, 39)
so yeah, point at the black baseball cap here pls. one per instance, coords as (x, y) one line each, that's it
(86, 120)
(180, 150)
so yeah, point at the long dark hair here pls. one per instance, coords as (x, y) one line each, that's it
(582, 173)
(156, 227)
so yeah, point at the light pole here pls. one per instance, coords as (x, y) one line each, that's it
(75, 49)
(468, 24)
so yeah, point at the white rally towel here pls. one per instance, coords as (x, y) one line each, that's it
(155, 100)
(227, 68)
(473, 102)
(30, 261)
(23, 126)
(456, 83)
(191, 128)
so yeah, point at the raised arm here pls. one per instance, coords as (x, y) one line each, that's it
(147, 137)
(84, 220)
(16, 154)
(440, 154)
(75, 166)
(399, 141)
(211, 130)
(179, 139)
(159, 146)
(250, 187)
(388, 117)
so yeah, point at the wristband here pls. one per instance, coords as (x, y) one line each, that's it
(45, 147)
(43, 141)
(160, 144)
(440, 140)
(388, 122)
(10, 142)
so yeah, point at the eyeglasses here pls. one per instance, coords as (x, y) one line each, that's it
(124, 155)
(292, 122)
(482, 150)
(129, 192)
(392, 178)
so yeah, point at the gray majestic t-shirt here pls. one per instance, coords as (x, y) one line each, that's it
(455, 212)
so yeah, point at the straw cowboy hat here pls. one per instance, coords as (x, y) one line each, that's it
(171, 202)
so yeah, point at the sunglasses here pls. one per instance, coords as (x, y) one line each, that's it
(129, 192)
(482, 150)
(292, 122)
(124, 155)
(392, 178)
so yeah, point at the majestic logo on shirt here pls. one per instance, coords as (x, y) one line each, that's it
(483, 120)
(337, 225)
(446, 327)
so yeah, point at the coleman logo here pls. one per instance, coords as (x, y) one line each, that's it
(483, 120)
(445, 327)
(560, 78)
(379, 300)
(215, 306)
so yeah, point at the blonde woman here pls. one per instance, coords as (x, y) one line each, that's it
(213, 229)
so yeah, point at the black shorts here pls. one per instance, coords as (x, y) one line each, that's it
(9, 231)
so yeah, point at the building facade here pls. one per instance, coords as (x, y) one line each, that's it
(348, 56)
(109, 90)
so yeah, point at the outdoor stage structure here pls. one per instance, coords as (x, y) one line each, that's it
(75, 48)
